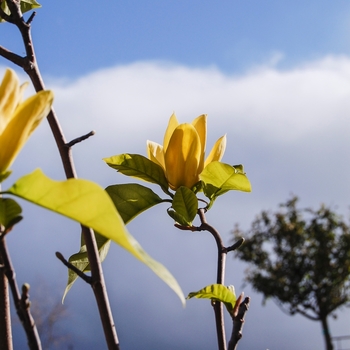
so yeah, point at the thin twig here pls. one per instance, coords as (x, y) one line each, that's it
(30, 19)
(238, 322)
(21, 305)
(80, 139)
(81, 274)
(235, 245)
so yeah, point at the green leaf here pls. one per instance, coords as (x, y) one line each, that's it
(185, 204)
(132, 199)
(140, 167)
(217, 292)
(86, 202)
(26, 5)
(9, 213)
(81, 261)
(218, 178)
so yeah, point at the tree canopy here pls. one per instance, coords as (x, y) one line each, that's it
(301, 259)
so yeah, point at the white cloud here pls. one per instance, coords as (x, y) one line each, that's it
(284, 104)
(290, 128)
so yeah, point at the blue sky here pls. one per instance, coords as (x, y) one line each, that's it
(232, 35)
(274, 76)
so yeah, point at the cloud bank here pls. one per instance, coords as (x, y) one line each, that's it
(288, 127)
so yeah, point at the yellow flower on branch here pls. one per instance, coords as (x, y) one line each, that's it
(182, 155)
(18, 119)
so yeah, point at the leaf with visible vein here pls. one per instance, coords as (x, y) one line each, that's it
(217, 292)
(185, 204)
(132, 199)
(88, 203)
(218, 178)
(140, 167)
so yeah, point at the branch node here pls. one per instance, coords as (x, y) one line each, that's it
(79, 139)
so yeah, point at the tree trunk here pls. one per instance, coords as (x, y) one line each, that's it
(326, 334)
(5, 317)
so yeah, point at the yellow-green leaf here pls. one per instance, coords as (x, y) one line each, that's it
(225, 177)
(86, 202)
(10, 212)
(140, 167)
(185, 204)
(217, 292)
(218, 178)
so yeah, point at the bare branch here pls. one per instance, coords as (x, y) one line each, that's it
(238, 322)
(21, 302)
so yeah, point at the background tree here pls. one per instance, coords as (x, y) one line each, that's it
(301, 259)
(50, 315)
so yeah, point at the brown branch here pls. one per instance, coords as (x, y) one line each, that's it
(238, 322)
(30, 67)
(5, 315)
(21, 303)
(12, 57)
(220, 276)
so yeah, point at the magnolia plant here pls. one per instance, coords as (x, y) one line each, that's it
(183, 173)
(190, 183)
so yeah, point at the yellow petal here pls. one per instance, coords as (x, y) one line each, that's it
(200, 124)
(25, 119)
(182, 157)
(155, 153)
(172, 125)
(9, 97)
(217, 151)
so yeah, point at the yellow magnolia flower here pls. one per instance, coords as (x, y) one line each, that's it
(183, 151)
(18, 119)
